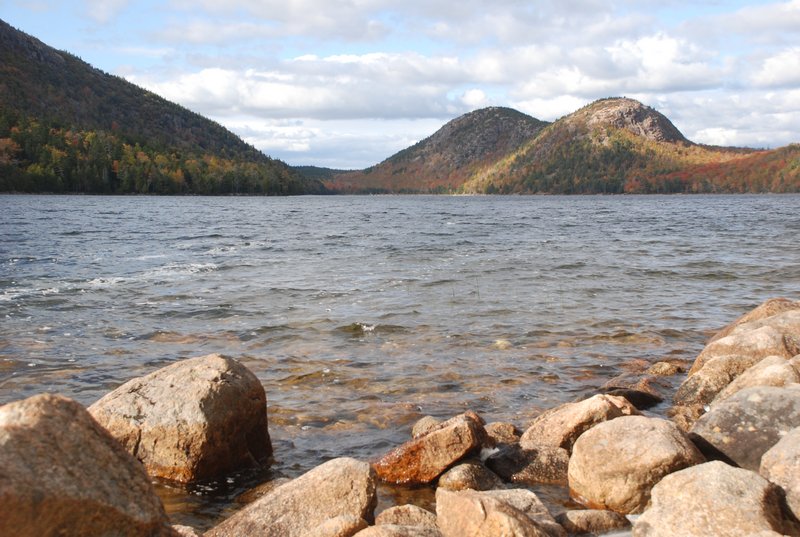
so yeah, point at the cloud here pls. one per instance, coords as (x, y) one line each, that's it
(780, 70)
(103, 11)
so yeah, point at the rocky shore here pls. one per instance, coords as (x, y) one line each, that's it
(725, 461)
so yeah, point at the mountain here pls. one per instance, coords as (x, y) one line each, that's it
(614, 145)
(445, 160)
(68, 127)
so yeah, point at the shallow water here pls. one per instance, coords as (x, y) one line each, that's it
(362, 314)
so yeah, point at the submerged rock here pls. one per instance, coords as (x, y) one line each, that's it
(539, 464)
(615, 464)
(746, 425)
(425, 458)
(62, 474)
(561, 426)
(713, 499)
(192, 420)
(337, 488)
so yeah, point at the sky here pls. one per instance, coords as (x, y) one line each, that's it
(347, 83)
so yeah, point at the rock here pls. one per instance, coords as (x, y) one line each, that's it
(642, 391)
(406, 515)
(702, 387)
(781, 465)
(528, 502)
(423, 459)
(755, 344)
(185, 531)
(746, 425)
(712, 499)
(341, 526)
(562, 425)
(771, 371)
(425, 425)
(192, 420)
(470, 475)
(665, 369)
(615, 464)
(62, 474)
(540, 464)
(475, 514)
(503, 433)
(592, 521)
(261, 490)
(394, 530)
(338, 488)
(771, 307)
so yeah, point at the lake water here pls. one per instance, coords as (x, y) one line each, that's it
(362, 314)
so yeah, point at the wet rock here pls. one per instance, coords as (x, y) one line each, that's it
(539, 464)
(185, 531)
(192, 420)
(770, 308)
(62, 474)
(423, 459)
(394, 530)
(713, 499)
(665, 369)
(475, 514)
(643, 391)
(594, 521)
(406, 515)
(424, 426)
(341, 526)
(743, 427)
(470, 475)
(261, 490)
(615, 464)
(503, 433)
(781, 465)
(771, 371)
(562, 425)
(529, 503)
(338, 488)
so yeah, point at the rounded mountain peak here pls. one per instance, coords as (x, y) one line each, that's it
(630, 114)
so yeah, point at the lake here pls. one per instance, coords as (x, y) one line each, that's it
(362, 314)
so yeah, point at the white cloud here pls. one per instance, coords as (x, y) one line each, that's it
(103, 11)
(780, 70)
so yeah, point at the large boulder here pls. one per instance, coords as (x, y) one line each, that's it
(192, 420)
(713, 499)
(338, 488)
(562, 425)
(62, 474)
(771, 307)
(771, 371)
(537, 465)
(475, 514)
(425, 458)
(615, 464)
(743, 427)
(781, 465)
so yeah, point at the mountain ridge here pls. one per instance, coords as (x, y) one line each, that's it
(612, 145)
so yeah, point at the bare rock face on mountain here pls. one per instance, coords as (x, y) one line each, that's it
(194, 419)
(62, 474)
(635, 117)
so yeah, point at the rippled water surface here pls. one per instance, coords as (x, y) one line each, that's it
(362, 314)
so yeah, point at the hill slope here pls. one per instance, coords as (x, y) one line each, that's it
(66, 126)
(443, 161)
(610, 146)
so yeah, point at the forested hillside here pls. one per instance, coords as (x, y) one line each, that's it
(68, 127)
